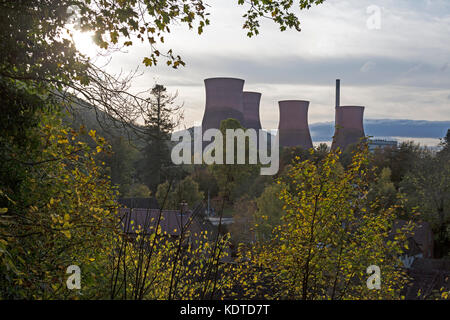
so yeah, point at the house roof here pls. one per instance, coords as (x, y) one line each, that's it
(172, 222)
(422, 235)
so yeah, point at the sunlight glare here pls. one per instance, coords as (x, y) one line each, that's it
(85, 43)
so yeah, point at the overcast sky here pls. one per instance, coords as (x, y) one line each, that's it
(400, 71)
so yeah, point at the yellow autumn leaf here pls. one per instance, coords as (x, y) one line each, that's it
(66, 233)
(92, 133)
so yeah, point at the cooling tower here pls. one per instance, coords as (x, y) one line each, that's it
(224, 99)
(349, 127)
(251, 110)
(293, 129)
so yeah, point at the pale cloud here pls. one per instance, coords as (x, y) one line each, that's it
(399, 71)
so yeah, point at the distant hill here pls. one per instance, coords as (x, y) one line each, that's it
(388, 128)
(323, 131)
(82, 113)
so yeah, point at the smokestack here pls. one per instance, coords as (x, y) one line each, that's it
(338, 93)
(349, 126)
(251, 110)
(224, 99)
(293, 129)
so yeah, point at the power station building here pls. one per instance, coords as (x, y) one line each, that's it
(349, 123)
(251, 110)
(382, 144)
(293, 129)
(349, 127)
(225, 99)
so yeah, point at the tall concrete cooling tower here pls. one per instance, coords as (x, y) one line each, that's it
(224, 99)
(251, 110)
(349, 127)
(293, 129)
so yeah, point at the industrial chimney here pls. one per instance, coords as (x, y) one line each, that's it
(224, 99)
(293, 129)
(349, 127)
(251, 110)
(338, 93)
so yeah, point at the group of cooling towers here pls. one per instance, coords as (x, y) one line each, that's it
(226, 98)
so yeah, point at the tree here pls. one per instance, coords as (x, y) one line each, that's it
(445, 143)
(138, 190)
(186, 191)
(243, 228)
(288, 154)
(230, 176)
(384, 190)
(329, 236)
(427, 193)
(61, 213)
(122, 165)
(161, 266)
(161, 116)
(269, 212)
(206, 181)
(399, 160)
